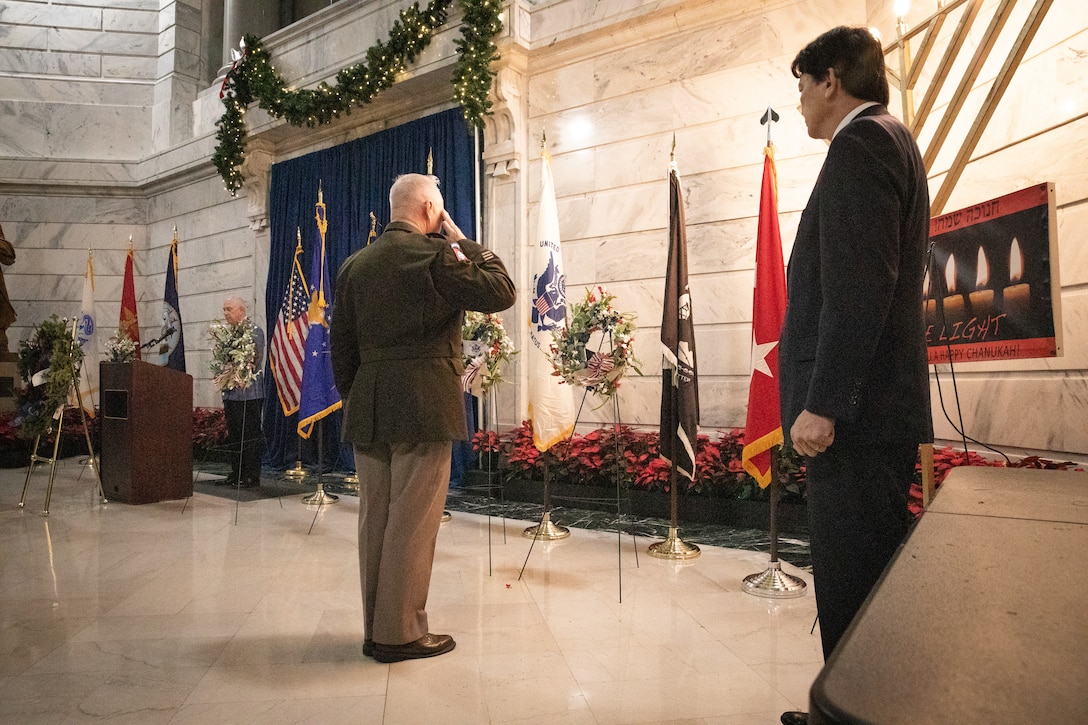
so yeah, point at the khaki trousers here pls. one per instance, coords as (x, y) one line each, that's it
(403, 489)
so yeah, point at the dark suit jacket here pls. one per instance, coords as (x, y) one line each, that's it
(852, 345)
(396, 333)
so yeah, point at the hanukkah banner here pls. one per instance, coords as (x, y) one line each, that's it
(991, 290)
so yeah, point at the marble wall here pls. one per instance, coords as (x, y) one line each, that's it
(610, 84)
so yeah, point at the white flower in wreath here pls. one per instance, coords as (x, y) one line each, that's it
(485, 346)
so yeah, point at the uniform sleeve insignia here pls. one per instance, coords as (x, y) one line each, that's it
(457, 251)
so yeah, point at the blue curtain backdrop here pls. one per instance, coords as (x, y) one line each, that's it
(355, 178)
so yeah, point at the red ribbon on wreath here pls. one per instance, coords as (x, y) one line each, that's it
(598, 368)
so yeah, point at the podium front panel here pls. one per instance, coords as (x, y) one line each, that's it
(147, 432)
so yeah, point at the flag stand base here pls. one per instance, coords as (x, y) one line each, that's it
(446, 516)
(296, 473)
(674, 548)
(320, 498)
(546, 530)
(351, 482)
(774, 583)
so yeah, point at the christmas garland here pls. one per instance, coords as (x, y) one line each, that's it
(486, 347)
(234, 354)
(598, 372)
(252, 78)
(53, 350)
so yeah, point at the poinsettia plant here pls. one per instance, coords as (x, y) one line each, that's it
(593, 458)
(597, 457)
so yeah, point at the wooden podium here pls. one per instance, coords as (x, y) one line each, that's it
(147, 432)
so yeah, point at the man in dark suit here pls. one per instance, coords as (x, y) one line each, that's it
(396, 353)
(854, 384)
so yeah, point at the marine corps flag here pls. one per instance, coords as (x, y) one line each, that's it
(679, 378)
(129, 323)
(319, 396)
(764, 428)
(551, 402)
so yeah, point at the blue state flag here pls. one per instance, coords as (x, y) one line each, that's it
(319, 394)
(173, 342)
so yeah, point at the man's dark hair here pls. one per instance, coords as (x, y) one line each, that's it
(856, 56)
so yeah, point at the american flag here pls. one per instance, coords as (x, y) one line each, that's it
(288, 345)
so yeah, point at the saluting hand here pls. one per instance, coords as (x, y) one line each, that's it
(452, 232)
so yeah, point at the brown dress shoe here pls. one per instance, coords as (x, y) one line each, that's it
(429, 645)
(794, 717)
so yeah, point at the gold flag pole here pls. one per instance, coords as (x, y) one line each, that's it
(298, 472)
(320, 498)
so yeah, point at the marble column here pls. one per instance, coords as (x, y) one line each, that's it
(506, 192)
(246, 17)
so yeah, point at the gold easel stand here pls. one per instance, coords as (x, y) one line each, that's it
(52, 461)
(673, 547)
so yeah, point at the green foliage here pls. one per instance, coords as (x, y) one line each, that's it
(51, 348)
(253, 78)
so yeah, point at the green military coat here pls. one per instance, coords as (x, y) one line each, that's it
(396, 333)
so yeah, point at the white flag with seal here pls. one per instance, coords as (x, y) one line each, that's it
(551, 400)
(87, 339)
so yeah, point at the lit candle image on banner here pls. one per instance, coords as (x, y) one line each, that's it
(953, 302)
(930, 303)
(982, 299)
(1016, 298)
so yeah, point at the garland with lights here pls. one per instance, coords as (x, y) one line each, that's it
(252, 78)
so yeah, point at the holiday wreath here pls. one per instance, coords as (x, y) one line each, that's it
(234, 354)
(486, 346)
(599, 372)
(48, 361)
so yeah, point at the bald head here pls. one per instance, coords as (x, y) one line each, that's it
(415, 198)
(234, 310)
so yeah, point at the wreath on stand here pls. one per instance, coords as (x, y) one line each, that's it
(48, 361)
(599, 372)
(485, 347)
(234, 354)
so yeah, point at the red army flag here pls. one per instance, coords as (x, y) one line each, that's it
(764, 426)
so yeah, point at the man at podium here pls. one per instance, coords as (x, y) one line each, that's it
(243, 396)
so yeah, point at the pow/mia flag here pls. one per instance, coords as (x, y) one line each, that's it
(679, 380)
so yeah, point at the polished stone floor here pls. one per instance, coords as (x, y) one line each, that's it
(210, 610)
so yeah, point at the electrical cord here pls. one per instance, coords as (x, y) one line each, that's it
(936, 279)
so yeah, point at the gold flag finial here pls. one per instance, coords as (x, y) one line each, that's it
(430, 163)
(672, 154)
(298, 235)
(320, 199)
(543, 139)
